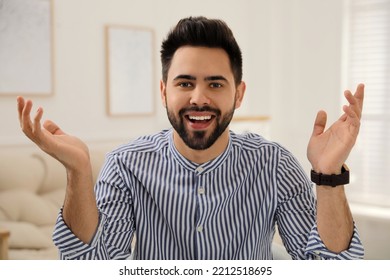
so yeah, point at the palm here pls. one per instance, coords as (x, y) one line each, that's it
(67, 149)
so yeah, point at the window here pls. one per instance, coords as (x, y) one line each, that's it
(367, 60)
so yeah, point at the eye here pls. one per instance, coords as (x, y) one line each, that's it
(215, 85)
(185, 84)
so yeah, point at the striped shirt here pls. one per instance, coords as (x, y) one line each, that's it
(227, 208)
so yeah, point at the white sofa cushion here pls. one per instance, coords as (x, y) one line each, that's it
(26, 236)
(55, 175)
(19, 171)
(25, 206)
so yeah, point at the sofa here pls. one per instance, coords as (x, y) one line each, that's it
(32, 190)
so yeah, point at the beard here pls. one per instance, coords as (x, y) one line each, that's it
(198, 140)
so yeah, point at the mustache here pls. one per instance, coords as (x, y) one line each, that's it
(199, 109)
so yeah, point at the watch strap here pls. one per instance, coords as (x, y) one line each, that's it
(331, 180)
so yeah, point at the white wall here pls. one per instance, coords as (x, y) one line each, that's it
(291, 55)
(305, 67)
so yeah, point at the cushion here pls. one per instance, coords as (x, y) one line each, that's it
(21, 171)
(25, 235)
(55, 175)
(27, 207)
(55, 197)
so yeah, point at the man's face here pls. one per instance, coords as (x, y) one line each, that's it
(200, 95)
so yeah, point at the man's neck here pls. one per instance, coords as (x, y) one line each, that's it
(202, 156)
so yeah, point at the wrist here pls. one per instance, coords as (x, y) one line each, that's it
(329, 170)
(341, 177)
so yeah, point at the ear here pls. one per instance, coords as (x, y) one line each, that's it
(240, 92)
(163, 93)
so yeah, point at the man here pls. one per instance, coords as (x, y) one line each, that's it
(200, 191)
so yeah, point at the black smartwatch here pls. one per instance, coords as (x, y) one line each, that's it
(331, 180)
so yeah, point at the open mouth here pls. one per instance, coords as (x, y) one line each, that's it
(199, 121)
(199, 118)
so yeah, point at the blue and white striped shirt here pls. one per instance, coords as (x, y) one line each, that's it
(226, 208)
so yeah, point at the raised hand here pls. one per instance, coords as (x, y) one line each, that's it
(328, 149)
(80, 211)
(69, 150)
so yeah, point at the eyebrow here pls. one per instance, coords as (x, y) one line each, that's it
(184, 77)
(192, 78)
(215, 78)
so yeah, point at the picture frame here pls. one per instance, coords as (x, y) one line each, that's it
(259, 124)
(26, 49)
(130, 67)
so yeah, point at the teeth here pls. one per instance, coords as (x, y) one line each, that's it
(200, 118)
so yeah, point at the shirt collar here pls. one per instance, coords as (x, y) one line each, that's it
(195, 167)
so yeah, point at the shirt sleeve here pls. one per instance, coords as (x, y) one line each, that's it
(114, 234)
(72, 248)
(316, 249)
(296, 215)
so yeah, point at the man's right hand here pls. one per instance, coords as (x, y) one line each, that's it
(69, 150)
(80, 211)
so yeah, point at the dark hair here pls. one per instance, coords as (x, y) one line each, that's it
(202, 32)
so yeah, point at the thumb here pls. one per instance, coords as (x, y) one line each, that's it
(53, 128)
(319, 123)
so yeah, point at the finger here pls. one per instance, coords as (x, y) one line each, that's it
(26, 122)
(37, 121)
(352, 115)
(20, 105)
(353, 103)
(319, 123)
(343, 116)
(53, 128)
(359, 95)
(356, 100)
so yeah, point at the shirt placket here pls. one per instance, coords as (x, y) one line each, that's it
(201, 211)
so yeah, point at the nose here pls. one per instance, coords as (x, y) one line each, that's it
(199, 97)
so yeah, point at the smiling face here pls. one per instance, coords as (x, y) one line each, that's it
(200, 96)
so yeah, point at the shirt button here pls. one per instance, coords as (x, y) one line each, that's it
(201, 190)
(199, 228)
(199, 169)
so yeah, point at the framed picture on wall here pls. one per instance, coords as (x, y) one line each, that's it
(26, 47)
(259, 124)
(130, 78)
